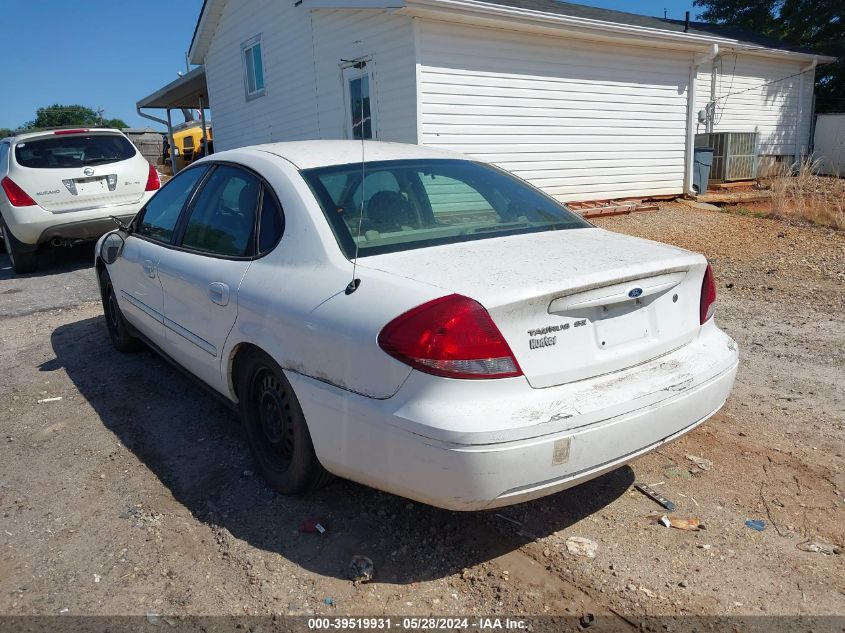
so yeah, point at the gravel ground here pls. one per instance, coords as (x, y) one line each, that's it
(135, 492)
(64, 279)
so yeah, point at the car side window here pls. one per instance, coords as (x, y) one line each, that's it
(222, 218)
(158, 219)
(272, 222)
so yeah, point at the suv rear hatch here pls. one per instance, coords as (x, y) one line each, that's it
(571, 304)
(71, 170)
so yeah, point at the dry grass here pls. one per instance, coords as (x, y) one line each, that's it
(807, 196)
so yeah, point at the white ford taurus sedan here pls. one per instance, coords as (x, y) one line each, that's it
(419, 322)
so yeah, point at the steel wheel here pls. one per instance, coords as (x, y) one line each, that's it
(119, 331)
(112, 312)
(274, 416)
(275, 426)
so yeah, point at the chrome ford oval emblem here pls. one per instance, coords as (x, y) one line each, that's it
(635, 292)
(88, 171)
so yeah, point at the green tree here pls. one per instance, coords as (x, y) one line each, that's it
(817, 25)
(118, 123)
(58, 115)
(4, 132)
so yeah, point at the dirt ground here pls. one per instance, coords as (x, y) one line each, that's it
(135, 493)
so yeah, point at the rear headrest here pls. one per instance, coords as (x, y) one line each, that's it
(247, 199)
(389, 211)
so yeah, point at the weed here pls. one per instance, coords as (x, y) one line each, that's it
(807, 196)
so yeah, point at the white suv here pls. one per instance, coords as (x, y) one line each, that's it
(63, 186)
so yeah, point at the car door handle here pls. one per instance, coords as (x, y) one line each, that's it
(218, 292)
(149, 268)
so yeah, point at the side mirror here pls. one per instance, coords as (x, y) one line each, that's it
(112, 248)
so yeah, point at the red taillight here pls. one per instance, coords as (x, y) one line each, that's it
(708, 295)
(153, 182)
(79, 131)
(17, 196)
(452, 336)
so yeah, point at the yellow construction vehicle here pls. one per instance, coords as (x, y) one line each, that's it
(190, 144)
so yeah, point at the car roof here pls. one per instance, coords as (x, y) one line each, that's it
(310, 154)
(49, 132)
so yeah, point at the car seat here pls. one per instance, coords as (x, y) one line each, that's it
(388, 211)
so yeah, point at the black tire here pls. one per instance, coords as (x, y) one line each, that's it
(276, 429)
(119, 331)
(23, 257)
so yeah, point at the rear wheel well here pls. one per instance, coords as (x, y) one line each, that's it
(237, 361)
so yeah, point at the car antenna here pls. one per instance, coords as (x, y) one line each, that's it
(359, 64)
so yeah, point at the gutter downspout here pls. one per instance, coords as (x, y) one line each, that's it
(166, 122)
(697, 61)
(800, 111)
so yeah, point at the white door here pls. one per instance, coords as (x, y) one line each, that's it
(134, 274)
(201, 276)
(359, 100)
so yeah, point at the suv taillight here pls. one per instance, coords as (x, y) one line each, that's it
(153, 182)
(17, 196)
(708, 295)
(452, 336)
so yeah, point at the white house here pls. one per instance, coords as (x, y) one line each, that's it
(585, 103)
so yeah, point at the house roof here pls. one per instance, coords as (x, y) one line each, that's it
(209, 18)
(743, 36)
(553, 11)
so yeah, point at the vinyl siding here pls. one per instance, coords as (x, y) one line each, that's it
(389, 40)
(580, 120)
(286, 111)
(829, 146)
(759, 94)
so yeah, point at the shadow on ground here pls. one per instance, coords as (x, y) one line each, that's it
(194, 445)
(52, 261)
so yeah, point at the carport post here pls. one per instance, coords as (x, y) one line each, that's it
(172, 143)
(202, 123)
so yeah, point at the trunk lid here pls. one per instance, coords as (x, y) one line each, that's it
(71, 172)
(571, 304)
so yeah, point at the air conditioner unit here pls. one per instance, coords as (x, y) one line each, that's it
(734, 154)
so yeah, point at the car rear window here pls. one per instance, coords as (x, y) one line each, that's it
(407, 204)
(73, 150)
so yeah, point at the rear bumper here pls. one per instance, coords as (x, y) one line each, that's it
(501, 448)
(83, 230)
(33, 225)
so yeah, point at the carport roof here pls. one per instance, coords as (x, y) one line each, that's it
(184, 92)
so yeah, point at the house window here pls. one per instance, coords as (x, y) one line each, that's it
(253, 68)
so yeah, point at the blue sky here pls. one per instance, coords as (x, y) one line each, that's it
(109, 53)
